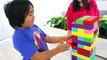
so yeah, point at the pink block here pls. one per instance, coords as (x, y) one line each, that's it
(91, 31)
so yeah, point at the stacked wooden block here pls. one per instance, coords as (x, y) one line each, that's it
(84, 38)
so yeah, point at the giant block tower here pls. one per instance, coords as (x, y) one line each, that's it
(84, 38)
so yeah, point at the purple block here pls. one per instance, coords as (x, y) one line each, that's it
(74, 58)
(83, 26)
(82, 42)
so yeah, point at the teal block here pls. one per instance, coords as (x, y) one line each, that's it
(79, 59)
(80, 46)
(73, 50)
(80, 38)
(74, 29)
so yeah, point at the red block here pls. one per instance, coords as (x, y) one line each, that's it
(82, 50)
(69, 41)
(90, 20)
(74, 37)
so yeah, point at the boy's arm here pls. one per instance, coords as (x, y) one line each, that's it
(45, 55)
(56, 39)
(48, 54)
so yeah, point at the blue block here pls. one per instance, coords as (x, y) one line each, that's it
(74, 29)
(79, 59)
(73, 50)
(80, 38)
(80, 46)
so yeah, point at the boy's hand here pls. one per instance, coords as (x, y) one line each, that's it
(63, 46)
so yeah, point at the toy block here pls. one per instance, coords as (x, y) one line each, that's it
(80, 20)
(73, 57)
(93, 45)
(89, 48)
(85, 54)
(83, 50)
(81, 42)
(90, 40)
(79, 55)
(74, 29)
(84, 57)
(92, 30)
(90, 36)
(82, 26)
(80, 46)
(85, 33)
(79, 59)
(75, 44)
(80, 31)
(74, 37)
(84, 41)
(90, 20)
(76, 58)
(69, 41)
(80, 38)
(82, 35)
(73, 50)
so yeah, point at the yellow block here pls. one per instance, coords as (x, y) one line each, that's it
(81, 31)
(82, 34)
(81, 56)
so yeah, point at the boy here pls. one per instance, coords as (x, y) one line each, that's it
(28, 38)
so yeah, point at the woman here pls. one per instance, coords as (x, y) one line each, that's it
(80, 8)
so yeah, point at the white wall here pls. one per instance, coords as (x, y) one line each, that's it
(5, 30)
(102, 4)
(45, 9)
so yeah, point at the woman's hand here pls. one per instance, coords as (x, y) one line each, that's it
(68, 35)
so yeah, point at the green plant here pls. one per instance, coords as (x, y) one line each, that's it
(103, 27)
(58, 22)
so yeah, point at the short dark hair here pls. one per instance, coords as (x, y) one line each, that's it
(77, 7)
(16, 11)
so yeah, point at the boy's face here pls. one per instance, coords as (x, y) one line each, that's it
(29, 20)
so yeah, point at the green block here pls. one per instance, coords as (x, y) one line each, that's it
(81, 20)
(90, 40)
(87, 40)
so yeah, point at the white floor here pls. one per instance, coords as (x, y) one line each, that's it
(7, 51)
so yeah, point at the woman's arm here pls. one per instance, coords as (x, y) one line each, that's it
(69, 16)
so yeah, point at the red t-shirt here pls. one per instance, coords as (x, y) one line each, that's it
(73, 16)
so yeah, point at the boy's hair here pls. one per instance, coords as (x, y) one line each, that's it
(16, 12)
(77, 7)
